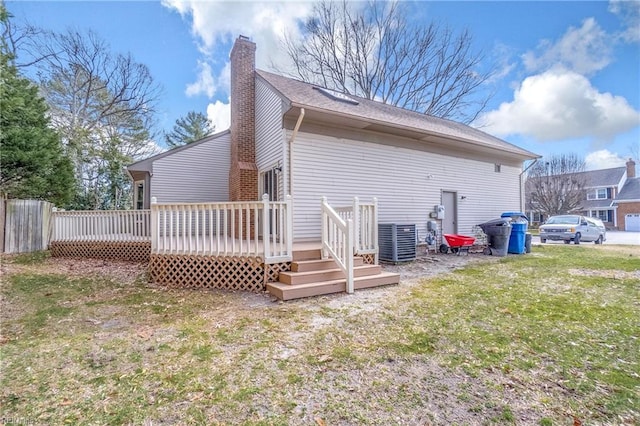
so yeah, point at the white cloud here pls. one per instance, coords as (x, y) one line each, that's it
(205, 82)
(220, 115)
(603, 159)
(584, 50)
(502, 58)
(629, 13)
(222, 21)
(560, 104)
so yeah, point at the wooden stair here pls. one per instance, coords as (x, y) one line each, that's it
(312, 276)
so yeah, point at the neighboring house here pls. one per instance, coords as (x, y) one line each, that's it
(290, 137)
(627, 202)
(612, 195)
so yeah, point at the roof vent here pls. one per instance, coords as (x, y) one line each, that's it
(336, 96)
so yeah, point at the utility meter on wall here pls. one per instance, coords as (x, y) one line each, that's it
(439, 211)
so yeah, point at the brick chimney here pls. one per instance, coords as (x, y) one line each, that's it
(243, 173)
(631, 169)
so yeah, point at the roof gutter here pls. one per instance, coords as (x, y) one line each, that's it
(522, 194)
(289, 174)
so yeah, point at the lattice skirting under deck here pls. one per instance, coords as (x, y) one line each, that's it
(209, 272)
(138, 251)
(368, 259)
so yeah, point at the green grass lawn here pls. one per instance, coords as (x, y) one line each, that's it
(545, 338)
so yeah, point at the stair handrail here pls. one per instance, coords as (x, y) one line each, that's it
(337, 241)
(365, 226)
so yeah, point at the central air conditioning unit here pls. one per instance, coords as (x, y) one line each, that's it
(396, 242)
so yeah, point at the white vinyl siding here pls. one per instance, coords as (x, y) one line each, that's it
(196, 174)
(408, 183)
(269, 132)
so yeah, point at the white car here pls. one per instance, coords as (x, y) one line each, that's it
(574, 228)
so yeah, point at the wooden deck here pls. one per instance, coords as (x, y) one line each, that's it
(312, 276)
(307, 275)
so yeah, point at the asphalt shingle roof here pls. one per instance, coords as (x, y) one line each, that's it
(630, 191)
(603, 177)
(306, 95)
(595, 204)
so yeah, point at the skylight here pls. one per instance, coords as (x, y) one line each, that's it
(335, 95)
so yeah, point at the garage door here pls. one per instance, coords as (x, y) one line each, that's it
(632, 222)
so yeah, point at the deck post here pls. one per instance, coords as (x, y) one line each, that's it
(324, 232)
(289, 230)
(348, 258)
(266, 224)
(357, 244)
(155, 234)
(375, 229)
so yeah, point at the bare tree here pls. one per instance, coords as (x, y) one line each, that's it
(14, 37)
(103, 106)
(556, 185)
(376, 53)
(634, 151)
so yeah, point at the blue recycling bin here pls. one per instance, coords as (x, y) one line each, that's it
(517, 239)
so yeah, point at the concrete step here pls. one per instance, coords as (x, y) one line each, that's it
(320, 265)
(287, 292)
(293, 278)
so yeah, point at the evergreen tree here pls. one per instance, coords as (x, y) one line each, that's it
(32, 164)
(191, 128)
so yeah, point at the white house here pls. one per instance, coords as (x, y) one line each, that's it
(291, 137)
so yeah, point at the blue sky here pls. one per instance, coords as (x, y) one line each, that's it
(569, 76)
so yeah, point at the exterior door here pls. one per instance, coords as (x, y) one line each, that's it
(270, 187)
(450, 221)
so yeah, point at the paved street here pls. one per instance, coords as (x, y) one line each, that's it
(613, 237)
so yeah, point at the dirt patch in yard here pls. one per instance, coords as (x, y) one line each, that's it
(221, 357)
(123, 272)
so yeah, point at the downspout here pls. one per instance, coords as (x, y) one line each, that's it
(522, 195)
(289, 174)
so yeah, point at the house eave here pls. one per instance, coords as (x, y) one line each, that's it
(426, 137)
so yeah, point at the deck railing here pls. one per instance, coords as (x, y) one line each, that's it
(337, 240)
(365, 225)
(101, 225)
(247, 228)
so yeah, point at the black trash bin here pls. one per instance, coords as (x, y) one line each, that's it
(498, 232)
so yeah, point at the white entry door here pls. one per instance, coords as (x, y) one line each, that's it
(450, 221)
(632, 222)
(270, 186)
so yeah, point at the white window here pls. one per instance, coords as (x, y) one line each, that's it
(597, 194)
(537, 217)
(603, 215)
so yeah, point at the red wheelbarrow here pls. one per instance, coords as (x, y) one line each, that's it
(457, 243)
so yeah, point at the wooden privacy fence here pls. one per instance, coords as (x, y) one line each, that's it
(27, 225)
